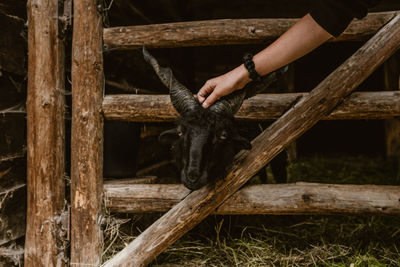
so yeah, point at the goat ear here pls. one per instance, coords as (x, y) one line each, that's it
(169, 136)
(241, 143)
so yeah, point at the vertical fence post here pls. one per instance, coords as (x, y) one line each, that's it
(87, 135)
(44, 244)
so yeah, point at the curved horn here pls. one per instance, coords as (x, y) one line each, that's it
(231, 104)
(182, 99)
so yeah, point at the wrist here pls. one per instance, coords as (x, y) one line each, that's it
(243, 77)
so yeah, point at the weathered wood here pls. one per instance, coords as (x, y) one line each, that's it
(278, 199)
(226, 31)
(297, 120)
(87, 135)
(131, 181)
(359, 105)
(391, 73)
(286, 84)
(44, 241)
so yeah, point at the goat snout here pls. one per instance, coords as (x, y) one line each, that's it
(194, 179)
(193, 175)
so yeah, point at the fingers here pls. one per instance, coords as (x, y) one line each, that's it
(207, 88)
(210, 99)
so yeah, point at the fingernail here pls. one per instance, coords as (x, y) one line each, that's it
(205, 105)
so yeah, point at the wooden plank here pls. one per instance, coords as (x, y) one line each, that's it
(277, 199)
(87, 135)
(301, 117)
(226, 32)
(158, 108)
(44, 241)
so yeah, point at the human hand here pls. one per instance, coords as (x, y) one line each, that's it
(223, 85)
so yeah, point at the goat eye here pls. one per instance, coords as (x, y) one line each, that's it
(180, 134)
(223, 136)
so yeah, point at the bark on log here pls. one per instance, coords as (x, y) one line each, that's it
(297, 120)
(226, 31)
(152, 108)
(277, 199)
(87, 135)
(44, 241)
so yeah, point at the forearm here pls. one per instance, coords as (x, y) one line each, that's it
(299, 40)
(303, 37)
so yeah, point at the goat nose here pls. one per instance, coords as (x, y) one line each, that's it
(193, 175)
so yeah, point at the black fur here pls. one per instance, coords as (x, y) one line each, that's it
(204, 144)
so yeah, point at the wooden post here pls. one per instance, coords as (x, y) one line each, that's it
(226, 31)
(277, 199)
(87, 135)
(44, 243)
(391, 72)
(297, 120)
(359, 105)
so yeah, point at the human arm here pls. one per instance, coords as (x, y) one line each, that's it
(328, 18)
(299, 40)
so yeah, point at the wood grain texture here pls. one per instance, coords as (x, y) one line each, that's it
(158, 108)
(296, 121)
(87, 135)
(44, 243)
(226, 32)
(277, 199)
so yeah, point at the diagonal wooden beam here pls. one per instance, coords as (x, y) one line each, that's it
(226, 32)
(296, 121)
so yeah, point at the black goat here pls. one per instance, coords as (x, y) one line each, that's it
(205, 140)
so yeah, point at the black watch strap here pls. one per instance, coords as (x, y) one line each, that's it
(250, 66)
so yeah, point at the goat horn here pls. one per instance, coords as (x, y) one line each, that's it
(181, 97)
(232, 103)
(229, 104)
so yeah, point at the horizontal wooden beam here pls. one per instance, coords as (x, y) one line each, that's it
(278, 199)
(158, 108)
(226, 32)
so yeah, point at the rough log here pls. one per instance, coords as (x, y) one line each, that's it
(44, 241)
(296, 121)
(87, 135)
(278, 199)
(131, 181)
(226, 31)
(360, 105)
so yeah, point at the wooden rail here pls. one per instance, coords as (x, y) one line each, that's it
(296, 121)
(226, 31)
(277, 199)
(158, 108)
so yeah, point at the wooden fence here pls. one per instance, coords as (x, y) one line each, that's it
(295, 114)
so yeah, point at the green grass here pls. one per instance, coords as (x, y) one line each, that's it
(286, 240)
